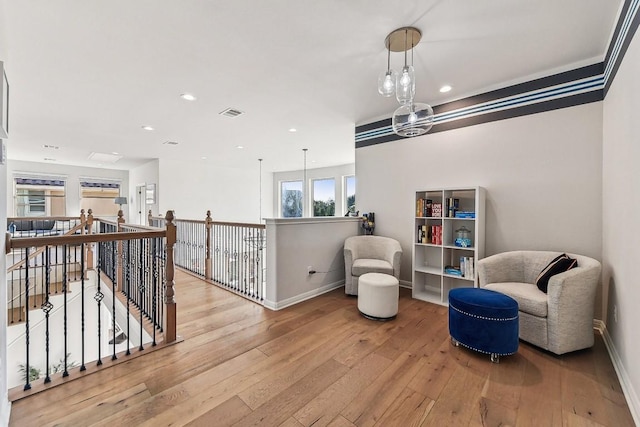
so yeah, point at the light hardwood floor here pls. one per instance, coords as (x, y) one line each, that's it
(319, 363)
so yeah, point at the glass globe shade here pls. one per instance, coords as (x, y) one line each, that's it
(412, 119)
(387, 83)
(406, 85)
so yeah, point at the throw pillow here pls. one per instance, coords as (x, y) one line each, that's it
(558, 265)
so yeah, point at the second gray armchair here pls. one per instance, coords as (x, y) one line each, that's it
(369, 254)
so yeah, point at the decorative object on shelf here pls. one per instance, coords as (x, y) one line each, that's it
(463, 237)
(368, 223)
(411, 118)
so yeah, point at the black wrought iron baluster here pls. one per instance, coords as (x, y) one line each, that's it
(46, 307)
(82, 279)
(127, 279)
(154, 284)
(163, 257)
(27, 369)
(114, 246)
(65, 281)
(98, 298)
(236, 256)
(141, 290)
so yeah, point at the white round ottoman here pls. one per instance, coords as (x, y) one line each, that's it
(378, 296)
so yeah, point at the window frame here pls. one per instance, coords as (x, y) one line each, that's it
(40, 200)
(280, 199)
(312, 197)
(345, 194)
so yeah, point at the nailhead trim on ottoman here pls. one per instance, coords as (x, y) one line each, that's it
(483, 320)
(378, 296)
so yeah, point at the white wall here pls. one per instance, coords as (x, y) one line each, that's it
(336, 172)
(192, 188)
(5, 406)
(620, 211)
(149, 173)
(542, 174)
(73, 175)
(293, 245)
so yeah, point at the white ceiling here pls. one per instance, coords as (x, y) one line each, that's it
(87, 75)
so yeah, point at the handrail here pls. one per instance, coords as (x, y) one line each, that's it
(41, 218)
(29, 242)
(204, 221)
(20, 263)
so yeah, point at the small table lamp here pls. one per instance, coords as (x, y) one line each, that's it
(121, 201)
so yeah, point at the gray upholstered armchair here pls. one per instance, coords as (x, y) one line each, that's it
(369, 254)
(560, 320)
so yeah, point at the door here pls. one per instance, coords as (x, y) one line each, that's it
(141, 204)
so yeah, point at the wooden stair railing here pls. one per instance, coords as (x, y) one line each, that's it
(151, 243)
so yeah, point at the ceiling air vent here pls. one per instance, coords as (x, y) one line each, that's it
(231, 112)
(170, 143)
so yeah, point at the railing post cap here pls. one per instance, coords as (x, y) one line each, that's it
(169, 216)
(90, 211)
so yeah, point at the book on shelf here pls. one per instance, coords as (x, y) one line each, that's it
(465, 214)
(466, 267)
(423, 208)
(421, 235)
(436, 235)
(436, 209)
(452, 207)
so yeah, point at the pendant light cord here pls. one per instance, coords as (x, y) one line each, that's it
(260, 202)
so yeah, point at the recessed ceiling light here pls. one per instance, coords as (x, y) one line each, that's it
(293, 130)
(188, 97)
(203, 158)
(115, 153)
(170, 143)
(147, 127)
(239, 147)
(313, 161)
(445, 88)
(49, 159)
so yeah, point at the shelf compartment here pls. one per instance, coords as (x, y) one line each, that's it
(428, 269)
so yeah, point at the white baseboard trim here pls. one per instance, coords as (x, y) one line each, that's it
(279, 305)
(406, 284)
(627, 388)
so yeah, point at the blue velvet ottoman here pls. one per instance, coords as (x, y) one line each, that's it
(484, 321)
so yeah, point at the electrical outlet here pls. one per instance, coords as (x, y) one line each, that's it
(615, 313)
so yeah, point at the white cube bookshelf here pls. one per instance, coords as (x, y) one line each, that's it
(432, 255)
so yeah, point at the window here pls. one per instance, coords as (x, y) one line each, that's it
(39, 197)
(350, 193)
(99, 196)
(324, 191)
(291, 199)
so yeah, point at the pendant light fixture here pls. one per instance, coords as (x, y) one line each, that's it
(411, 118)
(387, 80)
